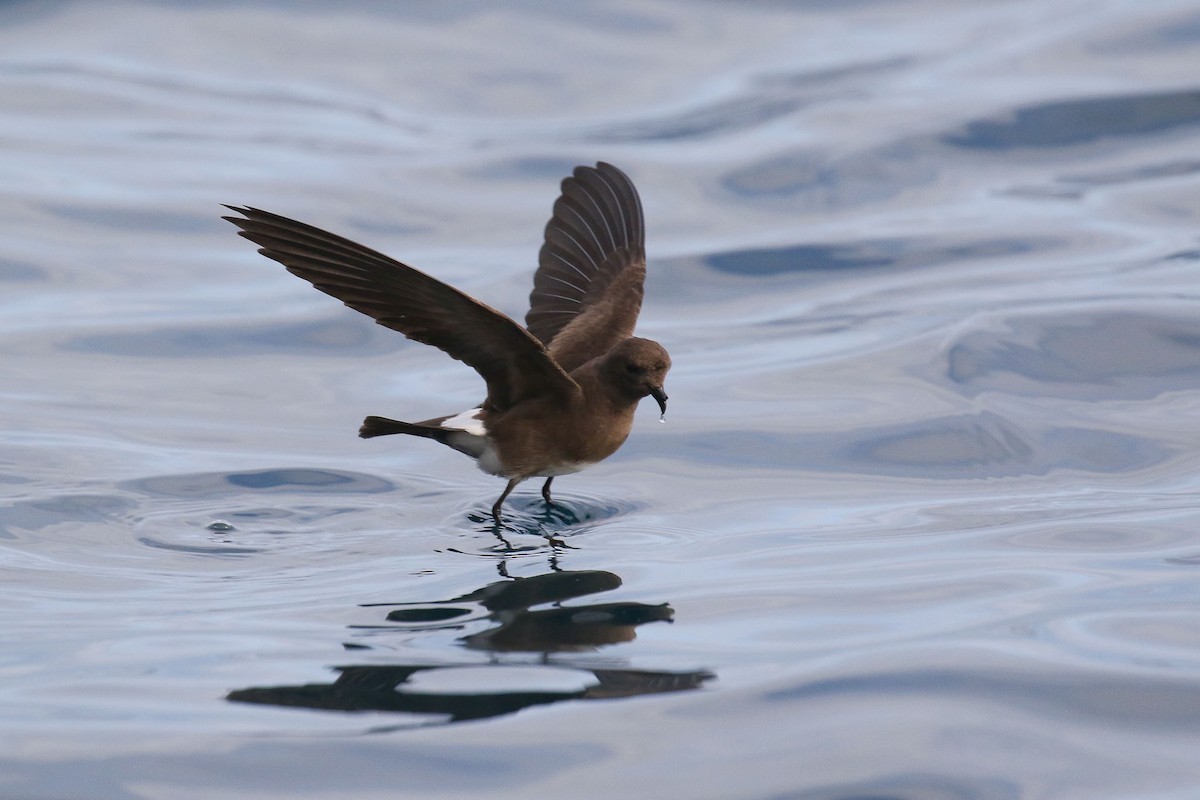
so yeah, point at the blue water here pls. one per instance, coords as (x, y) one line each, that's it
(921, 524)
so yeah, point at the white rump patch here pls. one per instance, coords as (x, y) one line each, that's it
(470, 437)
(468, 421)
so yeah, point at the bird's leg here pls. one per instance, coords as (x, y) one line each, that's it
(546, 492)
(512, 484)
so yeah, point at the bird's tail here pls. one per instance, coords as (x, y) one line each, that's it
(382, 426)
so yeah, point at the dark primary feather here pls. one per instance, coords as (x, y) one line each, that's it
(588, 288)
(514, 364)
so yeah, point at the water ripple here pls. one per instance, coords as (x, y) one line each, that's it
(1093, 354)
(950, 447)
(1160, 703)
(341, 335)
(217, 484)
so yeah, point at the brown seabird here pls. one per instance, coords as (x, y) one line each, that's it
(560, 393)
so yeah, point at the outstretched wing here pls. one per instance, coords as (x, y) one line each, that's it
(588, 288)
(514, 364)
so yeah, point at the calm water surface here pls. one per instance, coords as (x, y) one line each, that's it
(922, 522)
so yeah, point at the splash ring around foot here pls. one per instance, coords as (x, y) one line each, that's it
(567, 515)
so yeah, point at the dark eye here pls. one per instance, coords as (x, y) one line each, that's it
(633, 369)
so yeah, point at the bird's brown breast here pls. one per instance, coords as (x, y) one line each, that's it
(545, 437)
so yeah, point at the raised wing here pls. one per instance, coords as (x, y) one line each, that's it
(515, 365)
(588, 288)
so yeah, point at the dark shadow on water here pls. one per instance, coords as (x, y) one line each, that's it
(206, 484)
(774, 97)
(912, 786)
(1077, 121)
(129, 219)
(892, 254)
(345, 337)
(510, 620)
(799, 258)
(32, 515)
(21, 271)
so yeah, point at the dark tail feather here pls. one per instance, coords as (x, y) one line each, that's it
(382, 426)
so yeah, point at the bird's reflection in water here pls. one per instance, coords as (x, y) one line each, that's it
(499, 618)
